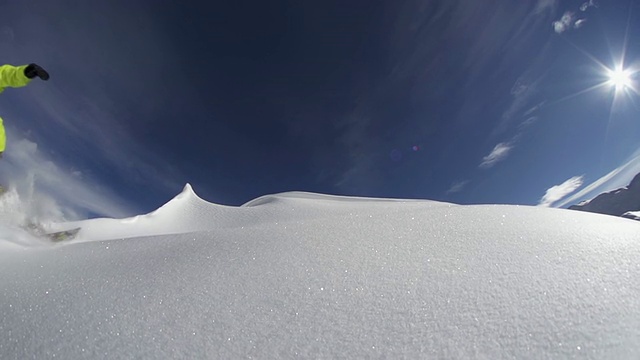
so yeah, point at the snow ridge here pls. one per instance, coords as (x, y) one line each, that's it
(187, 212)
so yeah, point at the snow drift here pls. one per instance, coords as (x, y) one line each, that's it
(307, 275)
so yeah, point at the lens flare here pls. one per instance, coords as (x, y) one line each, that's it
(619, 78)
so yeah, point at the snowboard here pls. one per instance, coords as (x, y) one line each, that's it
(63, 235)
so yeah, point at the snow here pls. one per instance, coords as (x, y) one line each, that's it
(635, 215)
(315, 276)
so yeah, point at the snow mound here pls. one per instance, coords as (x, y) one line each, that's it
(189, 213)
(317, 198)
(185, 213)
(301, 275)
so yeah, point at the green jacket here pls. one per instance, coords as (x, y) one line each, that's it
(3, 137)
(10, 76)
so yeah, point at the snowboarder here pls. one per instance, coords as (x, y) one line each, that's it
(17, 76)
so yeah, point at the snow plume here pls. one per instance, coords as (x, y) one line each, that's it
(21, 205)
(25, 209)
(53, 191)
(558, 192)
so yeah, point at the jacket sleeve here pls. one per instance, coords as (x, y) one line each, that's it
(13, 76)
(3, 137)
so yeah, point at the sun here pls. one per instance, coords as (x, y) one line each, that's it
(619, 78)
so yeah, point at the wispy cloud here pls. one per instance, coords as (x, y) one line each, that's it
(578, 24)
(565, 23)
(588, 4)
(527, 122)
(557, 192)
(422, 38)
(545, 5)
(112, 141)
(56, 190)
(499, 153)
(522, 92)
(573, 20)
(457, 186)
(533, 109)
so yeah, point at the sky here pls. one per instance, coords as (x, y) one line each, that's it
(466, 102)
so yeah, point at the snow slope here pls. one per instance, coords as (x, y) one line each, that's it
(306, 275)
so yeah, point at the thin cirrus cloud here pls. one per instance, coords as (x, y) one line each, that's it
(558, 192)
(520, 110)
(457, 187)
(483, 32)
(502, 150)
(522, 92)
(499, 153)
(545, 5)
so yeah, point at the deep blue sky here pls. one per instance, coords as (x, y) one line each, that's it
(374, 98)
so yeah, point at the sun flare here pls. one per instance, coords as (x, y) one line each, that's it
(620, 78)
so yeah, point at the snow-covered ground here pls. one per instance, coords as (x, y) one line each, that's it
(305, 275)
